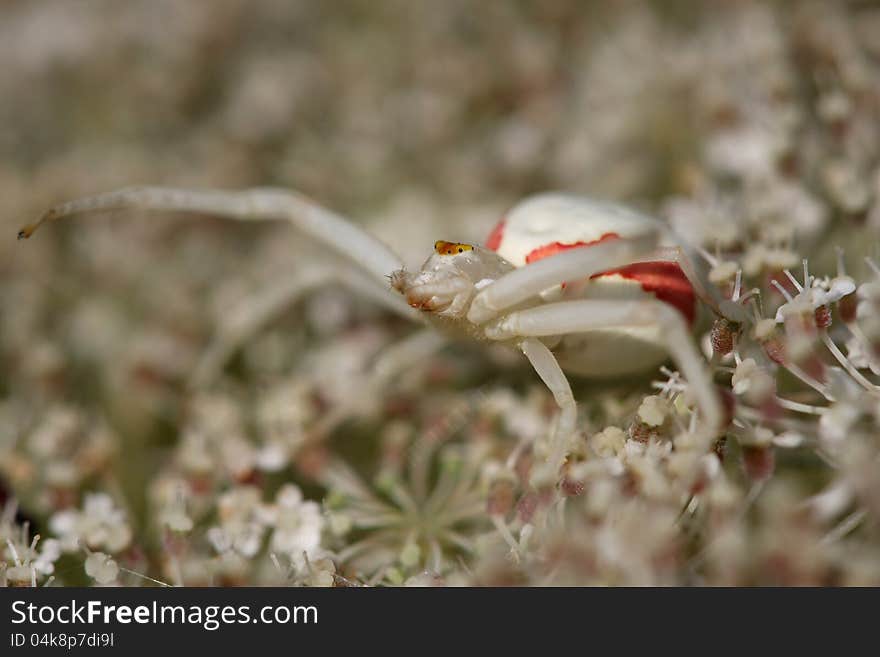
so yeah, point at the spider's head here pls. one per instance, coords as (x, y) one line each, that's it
(449, 278)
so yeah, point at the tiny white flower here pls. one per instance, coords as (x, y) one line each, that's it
(835, 424)
(238, 455)
(50, 552)
(653, 410)
(761, 437)
(711, 465)
(752, 380)
(272, 457)
(600, 497)
(242, 522)
(789, 439)
(765, 329)
(298, 523)
(743, 374)
(814, 294)
(99, 525)
(723, 272)
(321, 572)
(101, 568)
(176, 519)
(723, 495)
(839, 287)
(609, 442)
(759, 259)
(632, 449)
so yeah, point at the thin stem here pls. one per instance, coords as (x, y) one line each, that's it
(794, 281)
(146, 577)
(845, 526)
(809, 409)
(819, 387)
(865, 344)
(782, 290)
(847, 365)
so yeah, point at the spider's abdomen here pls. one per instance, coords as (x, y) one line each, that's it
(546, 224)
(543, 224)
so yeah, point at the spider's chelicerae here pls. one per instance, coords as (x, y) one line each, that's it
(576, 284)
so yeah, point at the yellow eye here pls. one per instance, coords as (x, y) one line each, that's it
(451, 248)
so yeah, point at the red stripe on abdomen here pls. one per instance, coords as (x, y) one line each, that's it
(494, 239)
(665, 280)
(557, 247)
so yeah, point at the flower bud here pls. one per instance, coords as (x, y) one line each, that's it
(822, 315)
(847, 307)
(723, 336)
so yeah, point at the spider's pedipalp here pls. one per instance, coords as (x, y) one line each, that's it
(449, 278)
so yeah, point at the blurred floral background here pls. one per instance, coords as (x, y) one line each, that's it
(752, 127)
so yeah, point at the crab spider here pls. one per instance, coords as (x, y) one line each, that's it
(576, 284)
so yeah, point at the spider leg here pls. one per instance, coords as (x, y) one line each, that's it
(400, 356)
(391, 362)
(579, 316)
(545, 364)
(575, 264)
(328, 228)
(245, 320)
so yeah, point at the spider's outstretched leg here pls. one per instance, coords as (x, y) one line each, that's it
(412, 349)
(351, 242)
(390, 363)
(581, 316)
(544, 362)
(520, 284)
(581, 263)
(246, 319)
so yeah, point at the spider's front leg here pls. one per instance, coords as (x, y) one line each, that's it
(360, 252)
(337, 233)
(523, 283)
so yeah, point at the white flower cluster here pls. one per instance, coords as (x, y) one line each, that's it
(295, 524)
(99, 525)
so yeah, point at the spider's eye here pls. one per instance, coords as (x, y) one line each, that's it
(451, 248)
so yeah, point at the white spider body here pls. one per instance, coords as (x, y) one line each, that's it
(446, 284)
(605, 353)
(569, 281)
(544, 225)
